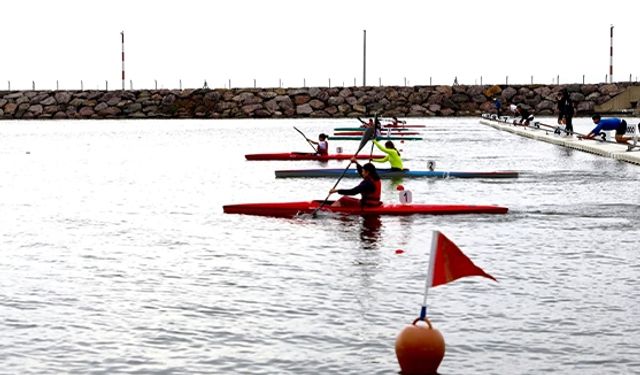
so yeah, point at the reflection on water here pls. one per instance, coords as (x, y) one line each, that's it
(370, 231)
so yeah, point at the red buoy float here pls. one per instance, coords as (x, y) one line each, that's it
(419, 349)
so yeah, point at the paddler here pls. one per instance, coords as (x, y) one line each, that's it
(610, 123)
(393, 155)
(371, 124)
(323, 145)
(369, 189)
(525, 116)
(396, 123)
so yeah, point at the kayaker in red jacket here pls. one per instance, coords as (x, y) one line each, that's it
(323, 144)
(369, 188)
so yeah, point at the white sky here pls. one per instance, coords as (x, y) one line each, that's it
(293, 41)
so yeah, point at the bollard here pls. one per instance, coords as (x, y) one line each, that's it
(106, 85)
(81, 85)
(180, 82)
(156, 82)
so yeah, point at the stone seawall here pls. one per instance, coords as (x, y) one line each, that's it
(316, 102)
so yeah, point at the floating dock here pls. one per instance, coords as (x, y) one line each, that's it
(547, 134)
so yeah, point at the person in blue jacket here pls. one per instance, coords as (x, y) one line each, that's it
(498, 105)
(608, 123)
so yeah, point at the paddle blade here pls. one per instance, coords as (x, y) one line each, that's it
(366, 136)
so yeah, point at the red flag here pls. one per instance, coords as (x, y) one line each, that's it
(448, 263)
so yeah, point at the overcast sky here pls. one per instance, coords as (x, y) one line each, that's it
(293, 42)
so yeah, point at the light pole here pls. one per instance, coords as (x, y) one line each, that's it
(122, 34)
(364, 59)
(611, 57)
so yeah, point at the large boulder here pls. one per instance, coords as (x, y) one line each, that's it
(610, 89)
(508, 93)
(304, 109)
(576, 96)
(492, 91)
(585, 107)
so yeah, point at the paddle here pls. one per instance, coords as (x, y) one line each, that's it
(368, 134)
(308, 140)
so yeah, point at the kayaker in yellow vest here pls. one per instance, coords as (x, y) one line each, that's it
(393, 155)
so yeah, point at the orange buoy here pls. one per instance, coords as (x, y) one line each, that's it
(419, 349)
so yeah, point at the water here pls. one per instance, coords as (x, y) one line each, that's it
(117, 258)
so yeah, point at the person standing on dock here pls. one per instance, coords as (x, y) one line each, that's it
(498, 105)
(566, 110)
(608, 123)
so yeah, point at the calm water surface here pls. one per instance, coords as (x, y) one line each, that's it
(117, 258)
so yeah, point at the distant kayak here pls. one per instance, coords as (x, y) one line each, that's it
(291, 209)
(360, 132)
(381, 138)
(403, 126)
(307, 156)
(392, 130)
(387, 173)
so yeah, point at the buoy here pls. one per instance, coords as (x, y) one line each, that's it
(399, 251)
(399, 187)
(419, 349)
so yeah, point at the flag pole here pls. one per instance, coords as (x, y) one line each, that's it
(432, 261)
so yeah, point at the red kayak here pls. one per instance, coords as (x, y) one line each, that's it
(291, 209)
(391, 126)
(384, 133)
(308, 156)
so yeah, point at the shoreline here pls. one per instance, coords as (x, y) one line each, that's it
(312, 102)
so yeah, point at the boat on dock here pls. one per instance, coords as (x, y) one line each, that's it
(558, 136)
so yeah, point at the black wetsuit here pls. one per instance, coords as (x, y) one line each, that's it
(565, 109)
